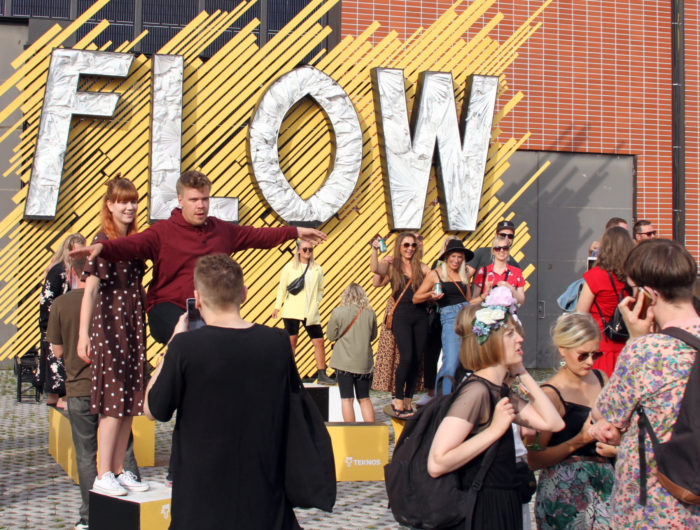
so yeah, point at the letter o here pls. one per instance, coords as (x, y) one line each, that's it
(263, 135)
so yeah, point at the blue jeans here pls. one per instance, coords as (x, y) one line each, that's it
(450, 346)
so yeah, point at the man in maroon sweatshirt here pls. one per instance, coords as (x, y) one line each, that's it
(173, 245)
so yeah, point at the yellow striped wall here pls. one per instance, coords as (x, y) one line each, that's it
(218, 100)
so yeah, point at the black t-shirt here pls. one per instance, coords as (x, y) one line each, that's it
(230, 388)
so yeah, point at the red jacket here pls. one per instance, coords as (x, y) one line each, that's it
(174, 245)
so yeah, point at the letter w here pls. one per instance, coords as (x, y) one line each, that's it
(407, 154)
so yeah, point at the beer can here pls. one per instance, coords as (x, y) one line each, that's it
(382, 245)
(438, 288)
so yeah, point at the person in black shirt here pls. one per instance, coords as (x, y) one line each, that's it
(229, 382)
(482, 256)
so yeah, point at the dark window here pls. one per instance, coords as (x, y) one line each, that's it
(41, 9)
(169, 12)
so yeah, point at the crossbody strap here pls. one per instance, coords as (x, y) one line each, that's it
(351, 324)
(391, 316)
(643, 422)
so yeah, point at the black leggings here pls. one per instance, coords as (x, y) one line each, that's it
(431, 355)
(410, 328)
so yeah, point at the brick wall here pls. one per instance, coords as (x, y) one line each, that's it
(597, 78)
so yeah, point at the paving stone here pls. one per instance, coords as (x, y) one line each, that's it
(37, 493)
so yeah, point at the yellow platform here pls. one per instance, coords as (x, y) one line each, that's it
(61, 442)
(361, 450)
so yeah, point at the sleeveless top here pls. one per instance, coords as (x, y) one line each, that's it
(406, 301)
(575, 416)
(453, 296)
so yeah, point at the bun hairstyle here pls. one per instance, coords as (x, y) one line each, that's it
(118, 190)
(475, 356)
(571, 330)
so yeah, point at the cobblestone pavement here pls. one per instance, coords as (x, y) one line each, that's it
(36, 493)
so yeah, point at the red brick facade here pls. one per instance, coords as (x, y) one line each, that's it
(597, 78)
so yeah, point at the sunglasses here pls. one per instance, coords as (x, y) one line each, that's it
(650, 233)
(411, 245)
(584, 356)
(498, 249)
(305, 250)
(509, 236)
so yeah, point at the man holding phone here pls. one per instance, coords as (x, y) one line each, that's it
(173, 245)
(228, 462)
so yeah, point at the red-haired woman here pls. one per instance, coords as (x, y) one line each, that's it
(113, 338)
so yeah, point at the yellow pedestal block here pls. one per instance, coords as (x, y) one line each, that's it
(61, 441)
(149, 510)
(361, 450)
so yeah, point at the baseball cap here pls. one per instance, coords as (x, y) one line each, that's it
(508, 225)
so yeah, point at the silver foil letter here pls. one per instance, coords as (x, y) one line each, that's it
(264, 156)
(62, 101)
(407, 159)
(166, 134)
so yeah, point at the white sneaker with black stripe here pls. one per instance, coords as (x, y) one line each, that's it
(131, 482)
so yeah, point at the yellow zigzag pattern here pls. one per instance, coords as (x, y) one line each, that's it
(218, 100)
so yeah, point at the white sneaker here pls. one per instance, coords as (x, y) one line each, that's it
(423, 401)
(108, 485)
(130, 482)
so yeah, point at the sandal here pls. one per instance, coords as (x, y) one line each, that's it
(401, 414)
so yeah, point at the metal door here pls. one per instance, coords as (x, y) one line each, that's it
(566, 209)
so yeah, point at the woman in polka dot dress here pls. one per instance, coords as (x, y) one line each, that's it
(113, 339)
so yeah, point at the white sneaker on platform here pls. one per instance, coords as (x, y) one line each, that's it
(423, 401)
(131, 482)
(108, 485)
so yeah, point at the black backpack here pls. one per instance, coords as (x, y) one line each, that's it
(678, 460)
(615, 328)
(416, 499)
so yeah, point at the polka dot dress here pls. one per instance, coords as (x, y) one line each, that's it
(118, 338)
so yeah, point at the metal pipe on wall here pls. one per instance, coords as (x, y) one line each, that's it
(678, 118)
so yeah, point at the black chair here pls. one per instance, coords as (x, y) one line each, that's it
(25, 370)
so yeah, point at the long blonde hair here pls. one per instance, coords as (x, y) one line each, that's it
(462, 271)
(398, 281)
(355, 295)
(61, 254)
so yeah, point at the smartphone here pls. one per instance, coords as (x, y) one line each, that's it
(646, 302)
(194, 317)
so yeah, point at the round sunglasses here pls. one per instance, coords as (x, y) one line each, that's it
(409, 245)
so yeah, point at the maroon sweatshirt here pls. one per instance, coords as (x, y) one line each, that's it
(174, 246)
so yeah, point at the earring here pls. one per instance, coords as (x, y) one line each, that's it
(562, 363)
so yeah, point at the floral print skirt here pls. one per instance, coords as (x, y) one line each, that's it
(574, 494)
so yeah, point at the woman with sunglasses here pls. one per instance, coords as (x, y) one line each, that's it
(576, 477)
(499, 273)
(409, 321)
(454, 294)
(602, 290)
(303, 306)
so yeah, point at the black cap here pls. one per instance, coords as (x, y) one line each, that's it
(505, 224)
(456, 245)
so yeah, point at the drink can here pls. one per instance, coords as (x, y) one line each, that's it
(438, 288)
(382, 245)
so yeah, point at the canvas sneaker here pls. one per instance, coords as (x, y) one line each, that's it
(131, 482)
(81, 525)
(108, 485)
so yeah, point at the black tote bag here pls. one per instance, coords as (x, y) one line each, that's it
(309, 480)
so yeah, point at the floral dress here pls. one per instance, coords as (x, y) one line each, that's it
(651, 371)
(51, 372)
